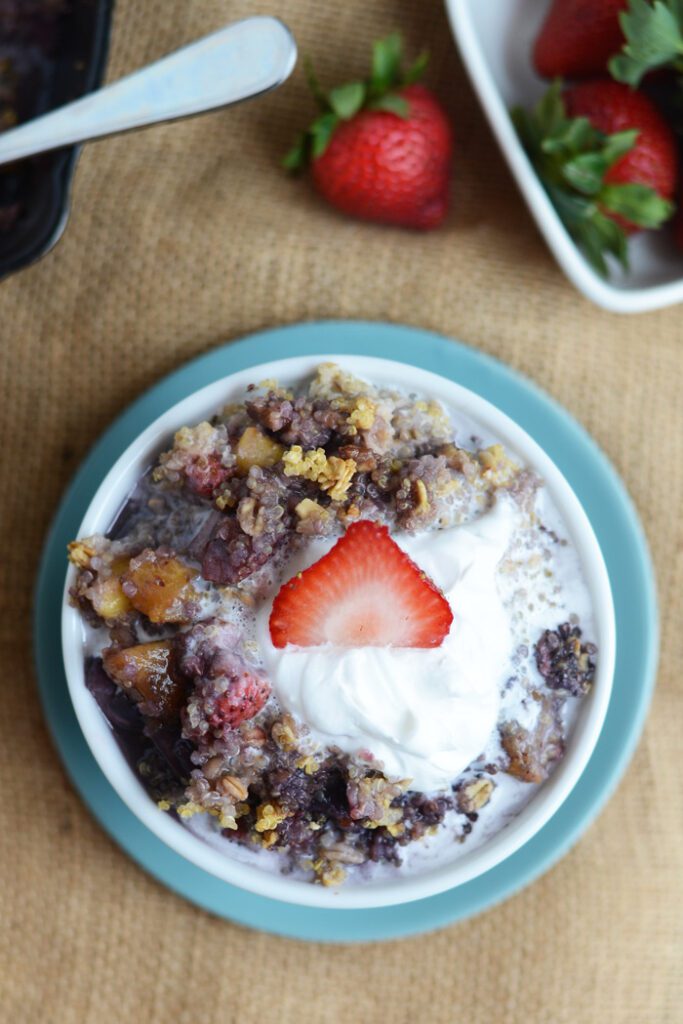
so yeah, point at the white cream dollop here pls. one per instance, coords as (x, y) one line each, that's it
(425, 714)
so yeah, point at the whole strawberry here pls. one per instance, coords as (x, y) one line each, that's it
(381, 149)
(608, 161)
(653, 159)
(578, 37)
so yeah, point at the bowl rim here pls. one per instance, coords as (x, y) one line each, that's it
(565, 251)
(99, 737)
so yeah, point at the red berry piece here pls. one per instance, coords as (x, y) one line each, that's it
(244, 698)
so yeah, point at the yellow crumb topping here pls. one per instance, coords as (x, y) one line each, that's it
(363, 414)
(284, 733)
(328, 874)
(80, 553)
(269, 816)
(309, 509)
(331, 380)
(270, 384)
(496, 465)
(332, 474)
(308, 764)
(422, 497)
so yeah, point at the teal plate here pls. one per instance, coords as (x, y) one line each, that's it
(623, 545)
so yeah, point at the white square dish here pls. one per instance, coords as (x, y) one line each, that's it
(495, 40)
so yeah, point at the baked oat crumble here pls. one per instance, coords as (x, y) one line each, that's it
(197, 546)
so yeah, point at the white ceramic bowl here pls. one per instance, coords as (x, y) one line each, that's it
(495, 39)
(108, 500)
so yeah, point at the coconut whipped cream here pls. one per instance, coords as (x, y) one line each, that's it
(424, 714)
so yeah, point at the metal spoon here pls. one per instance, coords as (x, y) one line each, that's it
(233, 64)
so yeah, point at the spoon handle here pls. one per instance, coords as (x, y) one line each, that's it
(233, 64)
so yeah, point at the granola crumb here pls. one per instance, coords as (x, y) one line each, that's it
(333, 475)
(284, 733)
(422, 498)
(363, 414)
(308, 764)
(269, 816)
(330, 875)
(474, 795)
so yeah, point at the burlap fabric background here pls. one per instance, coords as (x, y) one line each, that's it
(180, 238)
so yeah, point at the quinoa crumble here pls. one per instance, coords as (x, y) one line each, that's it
(189, 558)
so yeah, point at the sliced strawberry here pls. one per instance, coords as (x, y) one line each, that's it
(365, 592)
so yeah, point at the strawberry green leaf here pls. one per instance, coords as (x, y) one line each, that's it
(314, 85)
(619, 144)
(393, 103)
(613, 237)
(586, 172)
(550, 114)
(526, 128)
(596, 234)
(654, 38)
(573, 209)
(347, 100)
(321, 132)
(572, 136)
(599, 237)
(295, 159)
(638, 204)
(416, 69)
(386, 63)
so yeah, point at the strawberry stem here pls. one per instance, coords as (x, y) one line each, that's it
(380, 91)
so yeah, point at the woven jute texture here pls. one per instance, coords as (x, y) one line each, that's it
(187, 235)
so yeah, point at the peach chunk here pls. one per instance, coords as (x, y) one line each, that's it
(161, 585)
(108, 598)
(255, 449)
(145, 668)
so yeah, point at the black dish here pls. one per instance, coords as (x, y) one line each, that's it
(51, 52)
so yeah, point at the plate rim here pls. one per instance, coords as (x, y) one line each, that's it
(494, 381)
